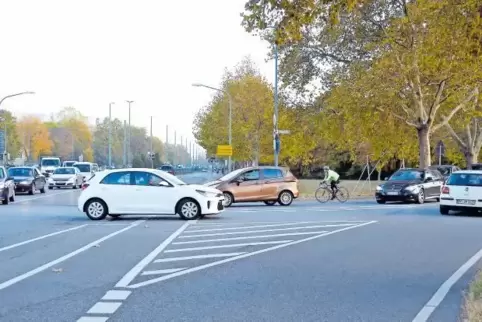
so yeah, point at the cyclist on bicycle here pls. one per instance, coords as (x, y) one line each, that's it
(333, 178)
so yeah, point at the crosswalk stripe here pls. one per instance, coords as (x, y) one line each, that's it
(227, 246)
(175, 259)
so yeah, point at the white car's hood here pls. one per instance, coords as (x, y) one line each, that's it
(204, 188)
(63, 176)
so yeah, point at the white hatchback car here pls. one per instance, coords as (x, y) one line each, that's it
(462, 191)
(145, 192)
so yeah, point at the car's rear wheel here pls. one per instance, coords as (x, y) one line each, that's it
(228, 199)
(6, 199)
(270, 202)
(421, 196)
(96, 209)
(444, 210)
(285, 198)
(188, 209)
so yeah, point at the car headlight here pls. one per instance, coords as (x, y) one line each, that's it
(412, 188)
(206, 193)
(379, 188)
(25, 182)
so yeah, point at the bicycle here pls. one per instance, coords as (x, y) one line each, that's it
(324, 193)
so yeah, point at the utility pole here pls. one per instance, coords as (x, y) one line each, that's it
(275, 116)
(129, 161)
(181, 155)
(124, 154)
(152, 152)
(167, 142)
(110, 135)
(175, 150)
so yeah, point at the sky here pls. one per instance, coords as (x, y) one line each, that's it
(88, 53)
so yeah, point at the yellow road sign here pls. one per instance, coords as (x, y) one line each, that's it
(224, 150)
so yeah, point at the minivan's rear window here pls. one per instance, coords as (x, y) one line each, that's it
(465, 179)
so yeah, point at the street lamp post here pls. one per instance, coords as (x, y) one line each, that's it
(5, 153)
(230, 115)
(275, 137)
(110, 135)
(129, 161)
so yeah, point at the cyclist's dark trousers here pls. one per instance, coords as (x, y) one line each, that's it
(334, 186)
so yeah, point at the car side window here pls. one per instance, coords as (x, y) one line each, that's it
(118, 178)
(250, 175)
(272, 173)
(147, 179)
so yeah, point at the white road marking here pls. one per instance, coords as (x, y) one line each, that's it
(92, 319)
(40, 238)
(162, 271)
(262, 231)
(176, 250)
(442, 292)
(39, 269)
(43, 196)
(129, 277)
(116, 295)
(175, 259)
(231, 259)
(244, 227)
(104, 308)
(249, 237)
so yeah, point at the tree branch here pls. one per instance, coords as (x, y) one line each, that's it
(398, 117)
(437, 101)
(454, 135)
(454, 111)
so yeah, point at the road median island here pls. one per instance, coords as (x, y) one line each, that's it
(472, 311)
(357, 189)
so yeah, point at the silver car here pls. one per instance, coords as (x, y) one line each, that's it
(66, 177)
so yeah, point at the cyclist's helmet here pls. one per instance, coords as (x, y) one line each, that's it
(326, 168)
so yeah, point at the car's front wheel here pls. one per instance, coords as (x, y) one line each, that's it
(96, 209)
(228, 199)
(188, 209)
(381, 201)
(421, 196)
(285, 198)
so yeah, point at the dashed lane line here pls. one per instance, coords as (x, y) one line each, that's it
(39, 269)
(40, 238)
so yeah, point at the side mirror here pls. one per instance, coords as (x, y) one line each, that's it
(385, 179)
(164, 184)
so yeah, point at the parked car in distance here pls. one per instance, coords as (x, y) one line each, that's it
(410, 185)
(68, 163)
(462, 191)
(28, 179)
(145, 192)
(7, 187)
(445, 169)
(168, 168)
(66, 177)
(268, 184)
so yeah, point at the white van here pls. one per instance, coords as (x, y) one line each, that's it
(86, 169)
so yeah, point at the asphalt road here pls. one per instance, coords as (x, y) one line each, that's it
(357, 261)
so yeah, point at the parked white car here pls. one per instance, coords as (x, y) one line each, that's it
(145, 192)
(86, 169)
(65, 177)
(462, 191)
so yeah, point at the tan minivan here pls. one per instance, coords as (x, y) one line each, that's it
(267, 184)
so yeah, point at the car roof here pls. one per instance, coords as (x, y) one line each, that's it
(468, 172)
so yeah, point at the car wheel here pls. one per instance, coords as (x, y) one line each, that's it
(188, 209)
(228, 199)
(95, 209)
(444, 210)
(421, 196)
(381, 202)
(285, 198)
(32, 189)
(270, 202)
(6, 199)
(437, 199)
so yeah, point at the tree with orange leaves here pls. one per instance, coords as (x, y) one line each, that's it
(34, 137)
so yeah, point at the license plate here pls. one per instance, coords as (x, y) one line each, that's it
(465, 202)
(392, 193)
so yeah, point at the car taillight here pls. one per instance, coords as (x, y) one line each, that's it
(85, 186)
(445, 190)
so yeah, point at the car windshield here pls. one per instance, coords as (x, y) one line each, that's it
(169, 177)
(465, 179)
(231, 175)
(69, 163)
(20, 172)
(64, 171)
(83, 167)
(407, 175)
(50, 163)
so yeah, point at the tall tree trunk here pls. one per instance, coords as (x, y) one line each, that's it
(424, 146)
(470, 158)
